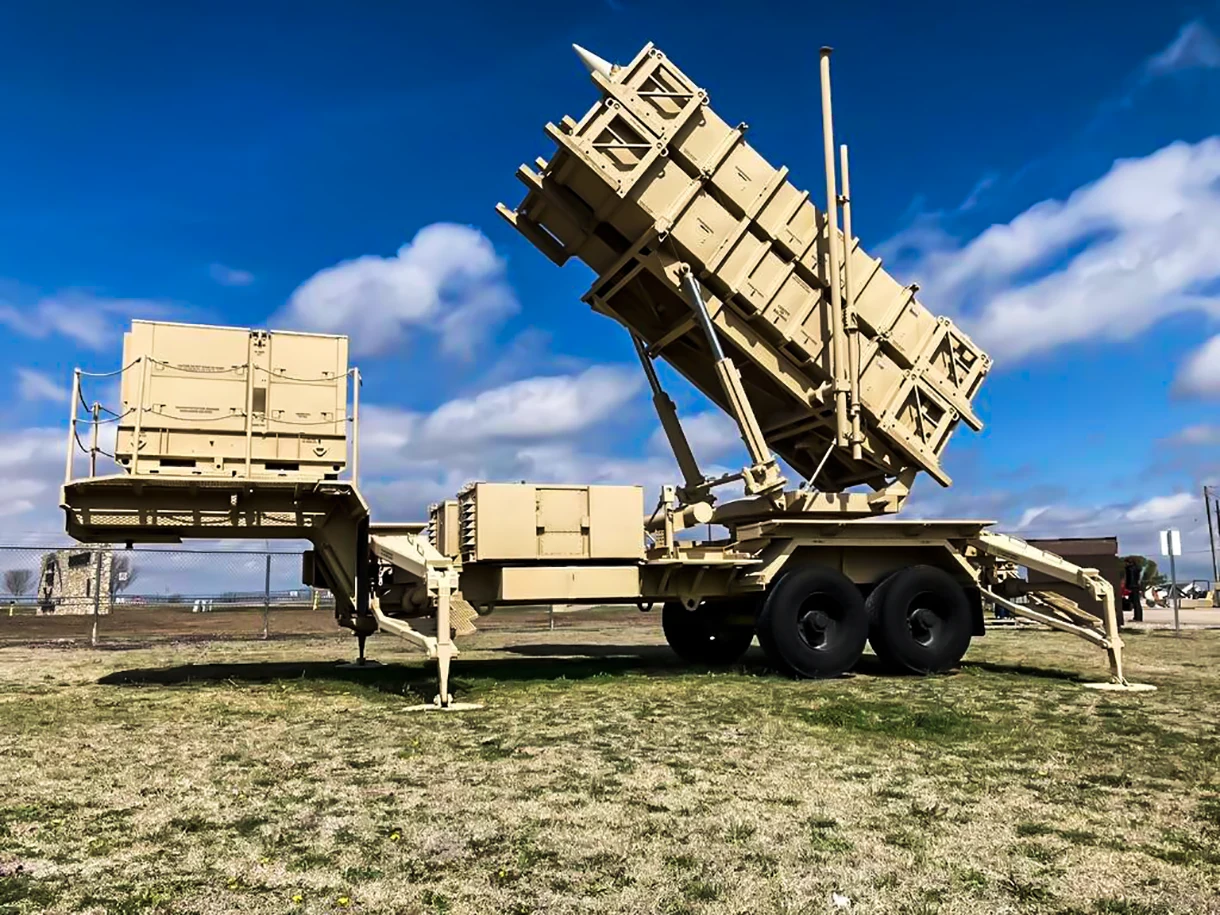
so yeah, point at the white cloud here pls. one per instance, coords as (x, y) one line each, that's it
(533, 407)
(1199, 376)
(711, 434)
(448, 280)
(1163, 508)
(35, 385)
(230, 276)
(1194, 48)
(92, 321)
(529, 410)
(31, 469)
(1137, 526)
(1118, 255)
(531, 429)
(1200, 434)
(1030, 515)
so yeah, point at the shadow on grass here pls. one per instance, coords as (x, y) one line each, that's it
(1026, 670)
(541, 663)
(536, 663)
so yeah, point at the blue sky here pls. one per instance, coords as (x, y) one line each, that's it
(217, 162)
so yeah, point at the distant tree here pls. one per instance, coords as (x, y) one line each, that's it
(17, 582)
(123, 574)
(1150, 575)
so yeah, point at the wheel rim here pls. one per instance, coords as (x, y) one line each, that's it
(818, 621)
(926, 619)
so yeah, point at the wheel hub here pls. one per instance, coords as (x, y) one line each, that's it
(923, 623)
(816, 626)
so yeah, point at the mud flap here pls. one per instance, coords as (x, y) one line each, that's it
(975, 596)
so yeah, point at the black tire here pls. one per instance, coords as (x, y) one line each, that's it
(920, 621)
(813, 623)
(711, 634)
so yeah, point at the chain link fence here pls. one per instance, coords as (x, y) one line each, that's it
(99, 591)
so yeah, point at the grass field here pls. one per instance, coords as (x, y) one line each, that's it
(250, 776)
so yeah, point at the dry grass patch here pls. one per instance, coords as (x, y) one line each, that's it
(259, 777)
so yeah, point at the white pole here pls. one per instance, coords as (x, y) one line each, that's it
(72, 425)
(1173, 587)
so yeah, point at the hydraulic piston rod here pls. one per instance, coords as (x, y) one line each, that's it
(667, 413)
(763, 476)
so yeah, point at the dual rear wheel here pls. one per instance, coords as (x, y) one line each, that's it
(813, 622)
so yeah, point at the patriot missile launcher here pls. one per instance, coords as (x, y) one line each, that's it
(843, 387)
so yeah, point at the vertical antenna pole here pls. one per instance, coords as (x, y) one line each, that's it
(849, 313)
(839, 367)
(72, 425)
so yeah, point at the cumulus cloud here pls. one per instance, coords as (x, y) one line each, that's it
(534, 428)
(1199, 376)
(533, 407)
(230, 276)
(31, 469)
(1120, 254)
(448, 280)
(546, 429)
(711, 435)
(94, 322)
(35, 385)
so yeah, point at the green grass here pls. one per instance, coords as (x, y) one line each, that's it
(261, 778)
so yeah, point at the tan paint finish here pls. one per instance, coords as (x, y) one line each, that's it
(230, 401)
(566, 584)
(521, 521)
(651, 178)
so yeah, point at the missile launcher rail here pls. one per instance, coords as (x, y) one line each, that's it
(714, 262)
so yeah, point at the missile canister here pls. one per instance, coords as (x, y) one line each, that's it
(650, 179)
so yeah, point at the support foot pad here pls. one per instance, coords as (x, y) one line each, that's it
(1111, 686)
(451, 707)
(357, 665)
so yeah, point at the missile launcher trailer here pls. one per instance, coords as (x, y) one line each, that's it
(712, 260)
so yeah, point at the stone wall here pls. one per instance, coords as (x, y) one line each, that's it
(70, 581)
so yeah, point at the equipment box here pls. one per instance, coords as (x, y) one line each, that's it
(522, 521)
(232, 402)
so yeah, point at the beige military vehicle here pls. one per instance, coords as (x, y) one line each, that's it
(712, 260)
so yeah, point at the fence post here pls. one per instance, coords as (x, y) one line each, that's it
(97, 593)
(267, 601)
